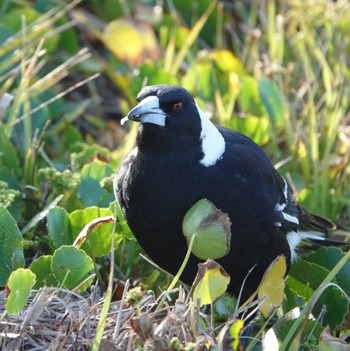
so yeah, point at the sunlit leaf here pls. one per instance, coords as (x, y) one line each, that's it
(210, 283)
(227, 61)
(229, 337)
(19, 286)
(256, 128)
(131, 41)
(271, 288)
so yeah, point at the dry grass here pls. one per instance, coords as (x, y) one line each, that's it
(58, 319)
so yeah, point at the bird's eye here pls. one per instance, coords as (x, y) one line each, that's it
(177, 106)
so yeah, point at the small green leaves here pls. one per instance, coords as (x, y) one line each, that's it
(71, 266)
(19, 286)
(89, 190)
(211, 282)
(11, 247)
(209, 228)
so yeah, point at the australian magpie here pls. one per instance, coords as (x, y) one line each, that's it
(182, 157)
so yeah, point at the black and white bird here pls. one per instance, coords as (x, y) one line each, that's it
(182, 157)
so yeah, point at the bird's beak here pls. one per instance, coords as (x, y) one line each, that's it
(147, 111)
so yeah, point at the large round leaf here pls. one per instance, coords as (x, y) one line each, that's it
(11, 250)
(71, 266)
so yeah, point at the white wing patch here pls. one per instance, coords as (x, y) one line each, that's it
(213, 143)
(294, 238)
(290, 218)
(282, 205)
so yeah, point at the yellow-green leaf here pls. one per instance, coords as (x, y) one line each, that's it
(229, 337)
(211, 282)
(19, 286)
(271, 288)
(131, 41)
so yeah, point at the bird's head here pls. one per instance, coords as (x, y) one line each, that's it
(170, 117)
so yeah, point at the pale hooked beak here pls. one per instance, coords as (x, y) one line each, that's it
(147, 111)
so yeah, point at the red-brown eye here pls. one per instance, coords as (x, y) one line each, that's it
(177, 106)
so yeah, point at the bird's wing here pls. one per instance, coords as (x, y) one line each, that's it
(123, 171)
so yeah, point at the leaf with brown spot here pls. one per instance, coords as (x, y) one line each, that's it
(89, 227)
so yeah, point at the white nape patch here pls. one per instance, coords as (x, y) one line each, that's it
(281, 206)
(290, 218)
(294, 238)
(213, 143)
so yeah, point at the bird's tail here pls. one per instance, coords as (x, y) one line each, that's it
(315, 229)
(318, 223)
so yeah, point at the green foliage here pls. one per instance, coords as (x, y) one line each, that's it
(72, 266)
(19, 285)
(278, 73)
(11, 246)
(208, 230)
(211, 283)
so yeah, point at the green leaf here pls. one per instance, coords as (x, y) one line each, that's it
(211, 228)
(249, 99)
(335, 306)
(19, 285)
(42, 214)
(308, 277)
(210, 283)
(71, 266)
(256, 128)
(42, 269)
(8, 155)
(272, 99)
(98, 242)
(153, 75)
(11, 245)
(13, 19)
(310, 274)
(328, 257)
(89, 189)
(59, 227)
(311, 328)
